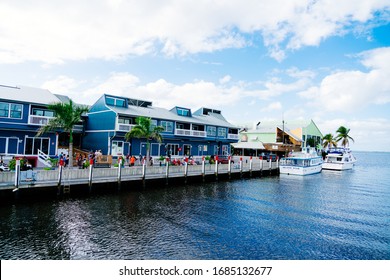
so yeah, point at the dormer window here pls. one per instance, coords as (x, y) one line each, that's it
(118, 102)
(183, 112)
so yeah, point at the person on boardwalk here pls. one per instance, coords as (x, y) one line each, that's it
(132, 161)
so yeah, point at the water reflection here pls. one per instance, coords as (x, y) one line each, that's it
(324, 216)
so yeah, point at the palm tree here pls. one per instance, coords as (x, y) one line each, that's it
(144, 129)
(329, 140)
(66, 115)
(343, 135)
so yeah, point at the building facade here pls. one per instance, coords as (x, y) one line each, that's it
(282, 138)
(23, 110)
(203, 132)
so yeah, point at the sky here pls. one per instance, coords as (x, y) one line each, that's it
(255, 60)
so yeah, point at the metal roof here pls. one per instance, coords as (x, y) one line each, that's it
(255, 145)
(28, 95)
(164, 114)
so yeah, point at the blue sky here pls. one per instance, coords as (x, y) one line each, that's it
(254, 60)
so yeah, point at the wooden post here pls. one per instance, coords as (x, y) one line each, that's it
(143, 174)
(90, 177)
(203, 169)
(120, 173)
(261, 165)
(229, 167)
(59, 187)
(185, 171)
(240, 166)
(167, 172)
(270, 165)
(250, 166)
(216, 167)
(17, 175)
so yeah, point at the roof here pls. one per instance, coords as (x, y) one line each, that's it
(164, 114)
(255, 145)
(28, 95)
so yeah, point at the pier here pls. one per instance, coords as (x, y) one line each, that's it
(64, 181)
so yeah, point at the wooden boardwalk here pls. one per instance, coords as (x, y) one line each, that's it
(66, 180)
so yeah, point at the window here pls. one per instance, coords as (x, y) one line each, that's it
(117, 148)
(124, 121)
(211, 131)
(153, 124)
(119, 102)
(183, 112)
(42, 112)
(172, 149)
(110, 101)
(4, 108)
(221, 132)
(33, 144)
(168, 126)
(16, 111)
(11, 110)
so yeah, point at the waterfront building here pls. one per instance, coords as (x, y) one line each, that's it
(203, 132)
(279, 138)
(23, 110)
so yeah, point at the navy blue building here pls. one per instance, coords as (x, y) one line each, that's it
(203, 132)
(23, 110)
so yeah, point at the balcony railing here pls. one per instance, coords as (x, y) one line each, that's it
(124, 127)
(188, 132)
(233, 136)
(39, 120)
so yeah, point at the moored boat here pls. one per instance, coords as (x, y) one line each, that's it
(339, 159)
(301, 163)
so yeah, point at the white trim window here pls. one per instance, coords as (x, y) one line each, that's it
(33, 144)
(11, 110)
(168, 126)
(211, 131)
(117, 148)
(222, 132)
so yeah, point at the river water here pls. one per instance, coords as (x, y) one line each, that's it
(331, 215)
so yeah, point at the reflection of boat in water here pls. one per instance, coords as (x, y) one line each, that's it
(301, 163)
(339, 159)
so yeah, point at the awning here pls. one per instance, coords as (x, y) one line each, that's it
(249, 145)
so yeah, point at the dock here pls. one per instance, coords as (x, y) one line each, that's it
(64, 181)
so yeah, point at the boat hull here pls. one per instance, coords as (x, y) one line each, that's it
(337, 165)
(300, 170)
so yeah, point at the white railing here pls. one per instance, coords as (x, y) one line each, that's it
(41, 120)
(44, 158)
(188, 132)
(124, 127)
(233, 136)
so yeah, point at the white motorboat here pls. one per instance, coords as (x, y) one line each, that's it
(301, 163)
(339, 159)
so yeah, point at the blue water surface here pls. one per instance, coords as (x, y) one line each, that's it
(331, 215)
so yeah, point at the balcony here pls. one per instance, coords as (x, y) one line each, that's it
(188, 132)
(233, 136)
(124, 127)
(39, 120)
(78, 128)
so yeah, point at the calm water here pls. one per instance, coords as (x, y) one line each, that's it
(332, 215)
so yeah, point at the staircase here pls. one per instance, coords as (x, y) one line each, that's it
(44, 159)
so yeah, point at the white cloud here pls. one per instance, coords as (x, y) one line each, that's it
(195, 94)
(362, 131)
(57, 31)
(350, 91)
(274, 106)
(225, 79)
(62, 85)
